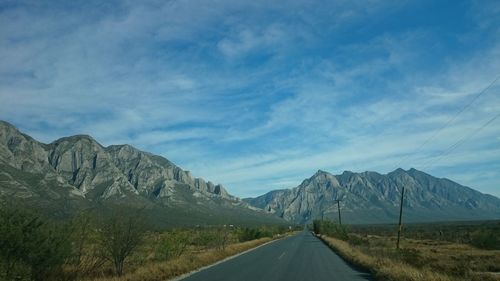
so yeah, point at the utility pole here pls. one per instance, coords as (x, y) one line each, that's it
(338, 207)
(400, 217)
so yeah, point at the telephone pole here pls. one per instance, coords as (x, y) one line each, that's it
(400, 217)
(338, 207)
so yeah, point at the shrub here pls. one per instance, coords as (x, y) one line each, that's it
(205, 238)
(222, 237)
(331, 228)
(31, 247)
(172, 245)
(86, 256)
(247, 234)
(485, 239)
(119, 236)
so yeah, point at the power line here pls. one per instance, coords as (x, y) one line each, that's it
(447, 151)
(450, 120)
(460, 142)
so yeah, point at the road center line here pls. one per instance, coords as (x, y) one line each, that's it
(282, 255)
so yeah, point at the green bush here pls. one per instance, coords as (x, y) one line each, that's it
(331, 228)
(31, 247)
(247, 234)
(205, 238)
(172, 244)
(485, 239)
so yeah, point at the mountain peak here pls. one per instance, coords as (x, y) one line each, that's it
(123, 147)
(413, 171)
(117, 174)
(9, 129)
(6, 124)
(80, 137)
(320, 172)
(370, 197)
(76, 139)
(398, 171)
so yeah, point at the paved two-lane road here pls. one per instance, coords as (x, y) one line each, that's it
(301, 257)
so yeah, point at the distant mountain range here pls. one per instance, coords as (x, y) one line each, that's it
(76, 172)
(370, 197)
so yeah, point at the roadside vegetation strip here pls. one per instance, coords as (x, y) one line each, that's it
(114, 247)
(387, 268)
(183, 265)
(383, 268)
(469, 254)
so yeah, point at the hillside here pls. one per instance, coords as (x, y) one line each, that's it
(370, 197)
(75, 173)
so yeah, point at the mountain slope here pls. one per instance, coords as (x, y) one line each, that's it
(370, 197)
(77, 172)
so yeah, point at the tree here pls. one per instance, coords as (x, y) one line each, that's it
(222, 237)
(31, 246)
(86, 256)
(119, 236)
(172, 244)
(49, 247)
(247, 234)
(331, 228)
(206, 238)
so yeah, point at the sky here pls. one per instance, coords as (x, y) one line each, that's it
(259, 95)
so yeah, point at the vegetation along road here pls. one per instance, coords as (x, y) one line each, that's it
(300, 257)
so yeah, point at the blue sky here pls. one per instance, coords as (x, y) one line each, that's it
(258, 95)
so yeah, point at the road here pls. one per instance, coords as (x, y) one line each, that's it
(300, 257)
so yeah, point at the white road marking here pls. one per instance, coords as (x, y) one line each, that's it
(282, 255)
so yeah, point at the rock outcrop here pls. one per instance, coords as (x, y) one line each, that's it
(98, 173)
(370, 197)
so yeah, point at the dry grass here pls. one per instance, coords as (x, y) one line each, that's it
(161, 271)
(419, 259)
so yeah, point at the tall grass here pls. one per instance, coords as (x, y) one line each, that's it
(161, 271)
(417, 259)
(383, 268)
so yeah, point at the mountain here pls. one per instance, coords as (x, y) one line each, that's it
(370, 197)
(77, 172)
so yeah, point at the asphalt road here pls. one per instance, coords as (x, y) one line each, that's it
(300, 257)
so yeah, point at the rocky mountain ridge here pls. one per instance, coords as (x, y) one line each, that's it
(370, 197)
(78, 169)
(87, 165)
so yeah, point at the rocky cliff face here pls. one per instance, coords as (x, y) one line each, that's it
(93, 172)
(156, 176)
(21, 151)
(370, 197)
(85, 164)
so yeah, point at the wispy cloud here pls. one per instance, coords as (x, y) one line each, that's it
(259, 97)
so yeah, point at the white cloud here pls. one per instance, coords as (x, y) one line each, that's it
(152, 75)
(246, 40)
